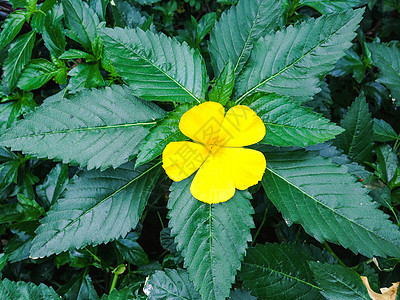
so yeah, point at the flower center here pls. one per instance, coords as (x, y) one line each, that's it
(213, 149)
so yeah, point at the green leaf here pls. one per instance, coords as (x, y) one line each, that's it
(274, 271)
(131, 251)
(19, 55)
(303, 184)
(240, 27)
(82, 21)
(83, 130)
(12, 26)
(166, 131)
(331, 6)
(85, 75)
(351, 63)
(338, 282)
(356, 140)
(155, 66)
(383, 132)
(126, 15)
(74, 54)
(53, 33)
(322, 101)
(387, 58)
(97, 207)
(81, 289)
(18, 247)
(23, 210)
(204, 26)
(36, 74)
(170, 284)
(386, 163)
(292, 61)
(213, 238)
(124, 294)
(222, 90)
(26, 290)
(289, 124)
(100, 7)
(241, 295)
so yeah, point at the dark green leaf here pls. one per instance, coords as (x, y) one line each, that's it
(96, 208)
(81, 289)
(124, 294)
(383, 132)
(126, 15)
(26, 290)
(303, 184)
(289, 124)
(322, 101)
(53, 33)
(86, 122)
(131, 251)
(240, 27)
(85, 75)
(74, 54)
(155, 66)
(356, 140)
(212, 238)
(100, 7)
(331, 6)
(386, 163)
(36, 74)
(338, 282)
(166, 131)
(387, 58)
(205, 25)
(23, 210)
(351, 63)
(241, 295)
(82, 22)
(19, 55)
(18, 247)
(11, 27)
(170, 284)
(222, 90)
(274, 271)
(305, 53)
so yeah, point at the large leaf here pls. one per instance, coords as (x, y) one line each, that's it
(234, 34)
(26, 290)
(213, 238)
(338, 282)
(330, 6)
(356, 140)
(292, 61)
(94, 128)
(166, 131)
(274, 271)
(170, 284)
(36, 74)
(19, 55)
(96, 208)
(11, 27)
(82, 21)
(328, 203)
(289, 124)
(387, 59)
(155, 66)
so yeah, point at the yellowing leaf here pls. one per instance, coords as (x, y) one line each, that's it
(386, 293)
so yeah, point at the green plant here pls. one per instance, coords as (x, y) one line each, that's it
(93, 92)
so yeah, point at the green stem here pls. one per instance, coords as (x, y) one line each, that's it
(329, 249)
(396, 145)
(114, 282)
(159, 217)
(261, 225)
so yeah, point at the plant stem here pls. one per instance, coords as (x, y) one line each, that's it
(261, 225)
(329, 249)
(114, 282)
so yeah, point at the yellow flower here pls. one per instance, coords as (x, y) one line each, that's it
(217, 151)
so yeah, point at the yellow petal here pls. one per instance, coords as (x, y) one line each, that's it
(182, 159)
(225, 170)
(202, 123)
(213, 182)
(241, 127)
(247, 166)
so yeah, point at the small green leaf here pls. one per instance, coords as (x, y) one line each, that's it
(222, 90)
(11, 27)
(123, 294)
(19, 55)
(303, 184)
(387, 58)
(82, 21)
(74, 54)
(274, 271)
(331, 6)
(36, 73)
(131, 251)
(53, 33)
(213, 238)
(386, 163)
(80, 288)
(241, 295)
(338, 282)
(170, 284)
(383, 132)
(127, 15)
(26, 290)
(289, 124)
(96, 208)
(85, 75)
(155, 66)
(204, 26)
(351, 63)
(166, 131)
(18, 247)
(356, 140)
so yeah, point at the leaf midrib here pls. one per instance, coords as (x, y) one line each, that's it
(104, 127)
(156, 67)
(324, 205)
(103, 200)
(304, 127)
(251, 90)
